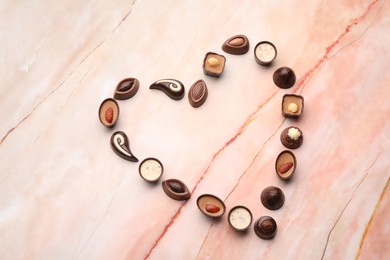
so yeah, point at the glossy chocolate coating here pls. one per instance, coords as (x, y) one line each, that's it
(284, 77)
(112, 105)
(171, 87)
(197, 94)
(288, 142)
(289, 99)
(126, 88)
(176, 189)
(237, 45)
(120, 145)
(213, 70)
(272, 198)
(265, 227)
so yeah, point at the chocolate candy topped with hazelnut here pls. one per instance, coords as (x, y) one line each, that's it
(265, 227)
(237, 45)
(291, 137)
(176, 189)
(213, 64)
(126, 88)
(171, 87)
(292, 105)
(109, 112)
(285, 165)
(284, 77)
(265, 53)
(211, 205)
(272, 198)
(198, 93)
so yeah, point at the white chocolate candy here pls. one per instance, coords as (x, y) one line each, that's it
(151, 169)
(294, 133)
(240, 218)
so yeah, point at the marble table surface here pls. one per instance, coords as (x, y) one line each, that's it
(64, 194)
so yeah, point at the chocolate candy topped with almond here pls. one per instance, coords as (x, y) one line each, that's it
(211, 205)
(213, 64)
(109, 112)
(291, 137)
(285, 164)
(237, 45)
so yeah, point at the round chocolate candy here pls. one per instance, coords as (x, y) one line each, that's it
(265, 53)
(284, 77)
(240, 218)
(265, 227)
(291, 137)
(272, 198)
(151, 169)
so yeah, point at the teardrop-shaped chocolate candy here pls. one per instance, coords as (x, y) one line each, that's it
(120, 145)
(171, 87)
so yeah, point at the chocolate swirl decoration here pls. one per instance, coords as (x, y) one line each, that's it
(171, 87)
(120, 145)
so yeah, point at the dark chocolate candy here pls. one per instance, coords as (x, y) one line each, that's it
(265, 53)
(291, 137)
(284, 77)
(109, 112)
(238, 44)
(197, 94)
(126, 88)
(151, 169)
(285, 164)
(120, 145)
(176, 189)
(171, 87)
(213, 64)
(292, 105)
(265, 227)
(272, 198)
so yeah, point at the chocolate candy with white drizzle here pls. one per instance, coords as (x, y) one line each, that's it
(120, 145)
(171, 87)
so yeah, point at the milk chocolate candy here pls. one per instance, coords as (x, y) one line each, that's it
(285, 164)
(197, 94)
(211, 205)
(291, 137)
(237, 45)
(109, 112)
(126, 88)
(176, 189)
(292, 105)
(171, 87)
(213, 64)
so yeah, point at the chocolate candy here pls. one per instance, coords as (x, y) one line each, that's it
(284, 77)
(171, 87)
(238, 44)
(176, 189)
(126, 88)
(213, 64)
(120, 145)
(151, 169)
(197, 94)
(292, 105)
(211, 205)
(240, 218)
(272, 198)
(285, 164)
(265, 227)
(109, 112)
(291, 137)
(265, 53)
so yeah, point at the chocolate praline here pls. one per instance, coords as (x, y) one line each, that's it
(284, 77)
(265, 227)
(291, 137)
(272, 198)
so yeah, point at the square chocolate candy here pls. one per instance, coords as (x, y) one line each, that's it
(292, 105)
